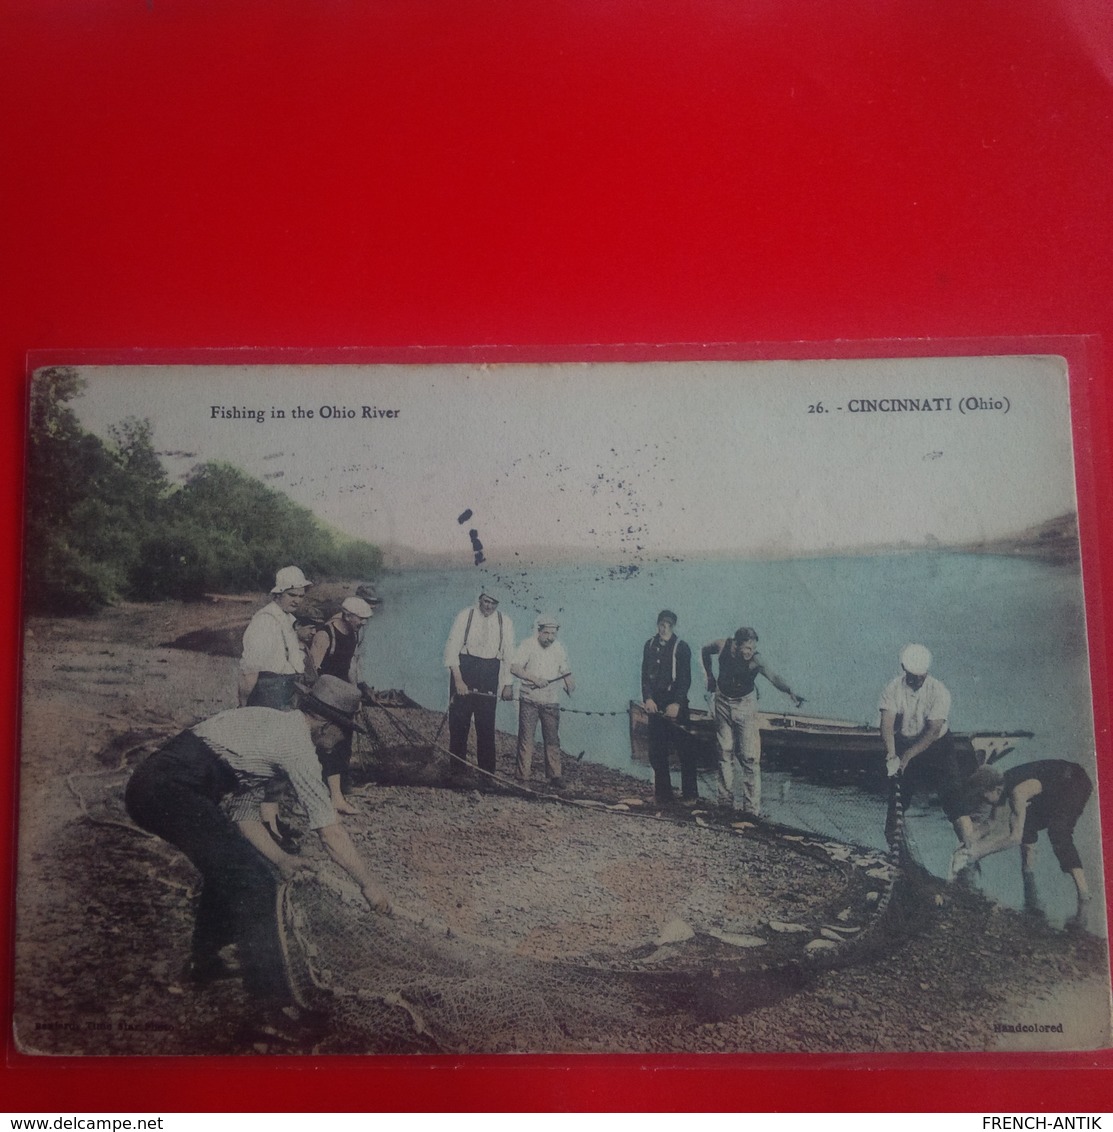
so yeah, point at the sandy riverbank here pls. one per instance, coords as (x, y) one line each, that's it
(104, 913)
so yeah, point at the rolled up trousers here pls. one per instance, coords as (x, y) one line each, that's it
(739, 735)
(528, 715)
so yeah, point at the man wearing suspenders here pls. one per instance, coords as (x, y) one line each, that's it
(477, 656)
(273, 660)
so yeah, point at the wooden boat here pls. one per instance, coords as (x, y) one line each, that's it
(831, 751)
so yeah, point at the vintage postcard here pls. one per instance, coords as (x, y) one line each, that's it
(709, 706)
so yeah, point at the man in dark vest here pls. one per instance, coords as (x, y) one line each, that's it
(736, 713)
(666, 678)
(477, 655)
(335, 651)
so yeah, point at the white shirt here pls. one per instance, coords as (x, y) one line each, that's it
(483, 640)
(542, 664)
(270, 643)
(258, 743)
(930, 701)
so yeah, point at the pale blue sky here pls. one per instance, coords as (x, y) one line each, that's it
(634, 460)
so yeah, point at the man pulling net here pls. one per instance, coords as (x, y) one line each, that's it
(177, 794)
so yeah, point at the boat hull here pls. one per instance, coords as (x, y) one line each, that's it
(828, 751)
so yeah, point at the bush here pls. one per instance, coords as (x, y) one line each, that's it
(103, 522)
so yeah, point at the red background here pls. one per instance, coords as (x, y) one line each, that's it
(393, 173)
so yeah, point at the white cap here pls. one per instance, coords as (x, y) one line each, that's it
(547, 621)
(915, 660)
(357, 606)
(289, 578)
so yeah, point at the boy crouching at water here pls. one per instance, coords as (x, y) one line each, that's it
(1050, 794)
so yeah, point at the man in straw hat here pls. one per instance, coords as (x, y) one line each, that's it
(919, 753)
(177, 794)
(477, 655)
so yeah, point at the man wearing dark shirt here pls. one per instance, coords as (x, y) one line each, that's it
(736, 712)
(1050, 794)
(666, 678)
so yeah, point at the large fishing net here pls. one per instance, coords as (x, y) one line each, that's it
(533, 921)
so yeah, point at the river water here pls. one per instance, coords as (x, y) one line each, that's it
(1008, 637)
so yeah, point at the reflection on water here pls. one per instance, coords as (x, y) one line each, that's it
(1008, 637)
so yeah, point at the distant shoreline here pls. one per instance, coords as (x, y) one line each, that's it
(1054, 542)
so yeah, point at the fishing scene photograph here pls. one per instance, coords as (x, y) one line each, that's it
(598, 707)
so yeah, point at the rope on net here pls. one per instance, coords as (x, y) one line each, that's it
(411, 982)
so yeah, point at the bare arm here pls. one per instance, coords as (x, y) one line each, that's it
(340, 848)
(257, 834)
(245, 686)
(780, 684)
(1021, 795)
(706, 653)
(888, 733)
(318, 648)
(889, 738)
(355, 670)
(965, 831)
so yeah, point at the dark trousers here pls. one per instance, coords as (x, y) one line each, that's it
(337, 760)
(1058, 812)
(273, 690)
(176, 794)
(665, 736)
(461, 711)
(934, 771)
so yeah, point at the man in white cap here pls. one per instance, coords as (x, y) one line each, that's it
(919, 753)
(272, 654)
(541, 664)
(335, 651)
(477, 655)
(335, 648)
(202, 792)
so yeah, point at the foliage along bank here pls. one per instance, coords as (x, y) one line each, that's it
(104, 522)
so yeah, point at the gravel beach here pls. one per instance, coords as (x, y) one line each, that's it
(104, 912)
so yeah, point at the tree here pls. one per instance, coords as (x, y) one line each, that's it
(103, 522)
(135, 453)
(69, 475)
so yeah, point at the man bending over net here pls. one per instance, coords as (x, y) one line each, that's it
(177, 793)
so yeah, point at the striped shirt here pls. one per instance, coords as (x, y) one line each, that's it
(259, 743)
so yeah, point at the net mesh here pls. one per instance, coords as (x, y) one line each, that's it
(525, 921)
